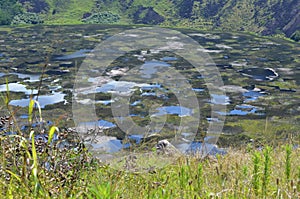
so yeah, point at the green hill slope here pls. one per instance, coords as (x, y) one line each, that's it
(260, 16)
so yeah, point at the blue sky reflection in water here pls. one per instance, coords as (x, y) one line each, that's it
(78, 54)
(44, 100)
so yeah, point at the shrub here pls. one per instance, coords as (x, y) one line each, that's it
(102, 18)
(8, 9)
(27, 18)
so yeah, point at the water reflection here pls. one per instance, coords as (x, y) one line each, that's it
(150, 68)
(78, 54)
(243, 110)
(103, 124)
(220, 99)
(260, 74)
(168, 59)
(43, 100)
(32, 77)
(17, 87)
(252, 95)
(173, 110)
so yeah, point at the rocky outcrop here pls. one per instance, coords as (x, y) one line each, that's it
(293, 25)
(36, 6)
(147, 15)
(284, 17)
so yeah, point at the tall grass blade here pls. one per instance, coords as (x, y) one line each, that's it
(33, 102)
(35, 165)
(288, 150)
(7, 98)
(256, 174)
(30, 110)
(40, 110)
(51, 133)
(14, 175)
(9, 192)
(267, 170)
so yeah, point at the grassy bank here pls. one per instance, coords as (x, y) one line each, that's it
(247, 173)
(271, 173)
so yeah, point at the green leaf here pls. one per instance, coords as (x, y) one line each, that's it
(32, 102)
(7, 93)
(37, 186)
(14, 175)
(51, 133)
(30, 110)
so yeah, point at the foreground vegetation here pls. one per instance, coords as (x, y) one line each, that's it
(247, 173)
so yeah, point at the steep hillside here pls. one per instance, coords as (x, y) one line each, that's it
(261, 16)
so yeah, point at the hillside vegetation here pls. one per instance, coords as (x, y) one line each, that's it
(260, 16)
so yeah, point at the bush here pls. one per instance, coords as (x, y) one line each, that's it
(102, 18)
(27, 18)
(8, 9)
(4, 18)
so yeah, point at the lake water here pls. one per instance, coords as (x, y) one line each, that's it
(261, 81)
(43, 100)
